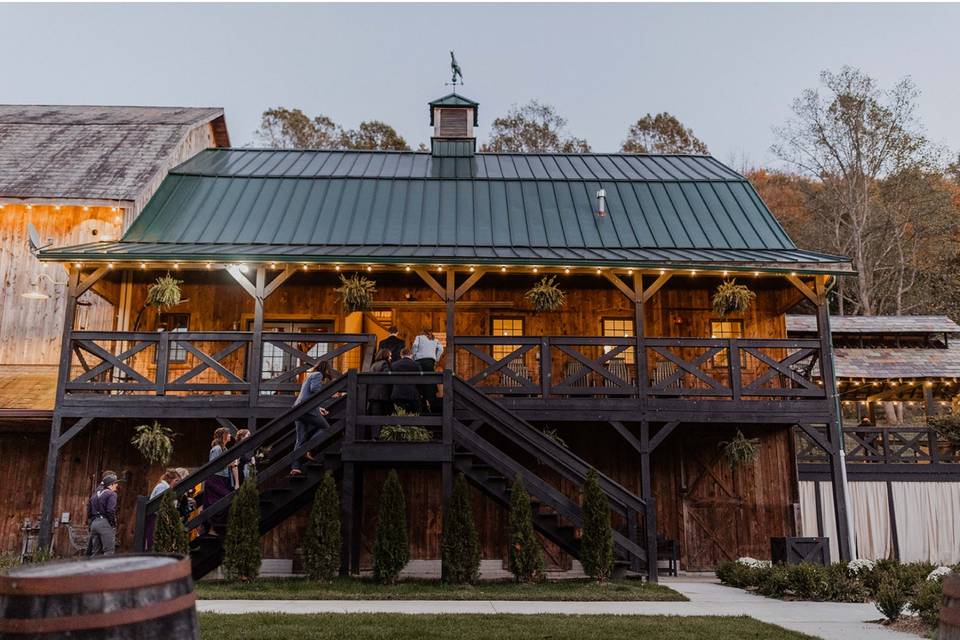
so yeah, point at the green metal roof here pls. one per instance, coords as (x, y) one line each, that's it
(233, 204)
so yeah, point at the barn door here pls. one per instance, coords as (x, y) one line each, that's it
(713, 509)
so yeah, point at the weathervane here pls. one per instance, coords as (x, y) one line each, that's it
(455, 70)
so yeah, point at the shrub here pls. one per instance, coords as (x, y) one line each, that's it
(404, 433)
(927, 601)
(744, 573)
(241, 560)
(891, 598)
(321, 542)
(525, 557)
(170, 534)
(773, 582)
(596, 543)
(391, 547)
(8, 561)
(808, 581)
(841, 586)
(461, 544)
(947, 426)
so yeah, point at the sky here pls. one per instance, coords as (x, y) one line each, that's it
(728, 71)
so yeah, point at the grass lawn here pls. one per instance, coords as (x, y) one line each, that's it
(354, 589)
(394, 626)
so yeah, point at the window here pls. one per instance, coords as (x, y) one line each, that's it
(505, 327)
(618, 328)
(176, 323)
(726, 329)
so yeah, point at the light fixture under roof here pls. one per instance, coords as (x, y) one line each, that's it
(35, 294)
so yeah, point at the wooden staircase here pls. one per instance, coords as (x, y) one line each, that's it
(486, 442)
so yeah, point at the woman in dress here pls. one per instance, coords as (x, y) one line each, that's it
(378, 395)
(219, 484)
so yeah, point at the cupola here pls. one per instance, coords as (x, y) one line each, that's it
(453, 118)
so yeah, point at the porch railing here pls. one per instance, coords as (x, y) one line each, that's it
(203, 362)
(547, 366)
(884, 445)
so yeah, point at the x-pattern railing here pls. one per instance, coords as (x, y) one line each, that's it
(899, 445)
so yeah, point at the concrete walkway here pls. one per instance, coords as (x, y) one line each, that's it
(827, 620)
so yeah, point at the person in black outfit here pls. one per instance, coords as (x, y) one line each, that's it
(102, 517)
(393, 343)
(406, 396)
(378, 395)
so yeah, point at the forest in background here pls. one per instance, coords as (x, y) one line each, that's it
(858, 178)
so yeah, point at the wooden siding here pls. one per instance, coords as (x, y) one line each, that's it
(31, 330)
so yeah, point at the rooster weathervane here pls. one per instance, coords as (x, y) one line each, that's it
(456, 73)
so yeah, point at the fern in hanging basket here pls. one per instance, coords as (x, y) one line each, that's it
(165, 292)
(356, 292)
(731, 297)
(154, 442)
(546, 295)
(741, 449)
(948, 426)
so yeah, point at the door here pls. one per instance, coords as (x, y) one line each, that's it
(274, 360)
(713, 509)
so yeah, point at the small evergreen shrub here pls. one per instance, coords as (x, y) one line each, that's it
(241, 545)
(525, 558)
(170, 534)
(596, 543)
(391, 547)
(773, 582)
(927, 601)
(891, 598)
(841, 585)
(807, 581)
(461, 543)
(321, 543)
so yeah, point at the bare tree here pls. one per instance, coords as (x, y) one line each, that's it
(662, 133)
(859, 142)
(534, 127)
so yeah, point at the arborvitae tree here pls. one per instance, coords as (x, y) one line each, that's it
(461, 543)
(525, 557)
(170, 535)
(241, 560)
(321, 543)
(391, 548)
(596, 544)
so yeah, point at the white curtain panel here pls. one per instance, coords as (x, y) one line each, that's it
(928, 521)
(871, 517)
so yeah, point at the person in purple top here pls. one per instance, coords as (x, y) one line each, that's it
(102, 517)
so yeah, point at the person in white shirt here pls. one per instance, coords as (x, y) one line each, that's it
(426, 351)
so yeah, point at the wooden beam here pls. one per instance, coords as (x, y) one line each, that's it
(243, 280)
(85, 283)
(70, 433)
(278, 280)
(432, 283)
(450, 296)
(803, 288)
(466, 286)
(621, 285)
(627, 435)
(656, 286)
(662, 434)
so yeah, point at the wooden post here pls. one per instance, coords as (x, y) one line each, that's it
(451, 301)
(646, 494)
(446, 466)
(347, 507)
(638, 331)
(45, 536)
(256, 344)
(139, 531)
(838, 469)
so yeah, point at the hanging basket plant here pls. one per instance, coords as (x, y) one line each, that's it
(163, 294)
(948, 426)
(741, 450)
(356, 292)
(154, 442)
(404, 432)
(546, 295)
(731, 297)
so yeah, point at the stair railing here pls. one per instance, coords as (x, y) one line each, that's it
(279, 426)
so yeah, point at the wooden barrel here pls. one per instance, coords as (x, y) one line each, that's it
(950, 611)
(121, 597)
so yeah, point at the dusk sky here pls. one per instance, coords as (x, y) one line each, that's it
(729, 72)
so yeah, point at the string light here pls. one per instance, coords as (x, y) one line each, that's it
(29, 207)
(598, 270)
(306, 267)
(85, 208)
(439, 268)
(369, 268)
(113, 208)
(503, 269)
(273, 265)
(56, 208)
(629, 272)
(536, 270)
(209, 266)
(143, 265)
(335, 268)
(407, 268)
(663, 272)
(756, 273)
(242, 268)
(693, 272)
(472, 269)
(109, 265)
(725, 273)
(566, 270)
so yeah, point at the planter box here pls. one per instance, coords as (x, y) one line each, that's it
(797, 550)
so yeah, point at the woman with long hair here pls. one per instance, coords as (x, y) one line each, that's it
(247, 466)
(169, 478)
(378, 395)
(218, 485)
